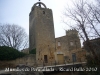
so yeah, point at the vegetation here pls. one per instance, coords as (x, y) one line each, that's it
(84, 16)
(93, 63)
(13, 36)
(9, 53)
(33, 51)
(92, 67)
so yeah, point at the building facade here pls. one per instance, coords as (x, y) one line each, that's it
(51, 50)
(68, 47)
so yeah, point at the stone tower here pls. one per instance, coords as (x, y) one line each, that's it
(73, 39)
(41, 33)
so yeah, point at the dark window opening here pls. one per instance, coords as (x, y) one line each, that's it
(43, 12)
(73, 57)
(45, 59)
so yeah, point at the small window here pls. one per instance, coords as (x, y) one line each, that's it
(59, 43)
(73, 57)
(71, 43)
(43, 12)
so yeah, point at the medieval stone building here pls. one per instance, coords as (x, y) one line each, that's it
(51, 50)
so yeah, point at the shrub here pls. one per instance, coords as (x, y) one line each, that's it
(33, 51)
(9, 53)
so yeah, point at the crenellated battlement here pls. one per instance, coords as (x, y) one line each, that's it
(71, 31)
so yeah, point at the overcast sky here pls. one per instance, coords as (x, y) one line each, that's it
(17, 12)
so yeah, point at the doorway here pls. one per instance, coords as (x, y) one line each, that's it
(60, 58)
(45, 59)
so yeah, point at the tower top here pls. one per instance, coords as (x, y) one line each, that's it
(39, 4)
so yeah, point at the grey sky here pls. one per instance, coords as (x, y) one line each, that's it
(17, 12)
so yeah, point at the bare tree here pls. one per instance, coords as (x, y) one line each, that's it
(94, 17)
(13, 36)
(82, 19)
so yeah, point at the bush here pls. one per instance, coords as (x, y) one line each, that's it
(9, 53)
(91, 62)
(33, 51)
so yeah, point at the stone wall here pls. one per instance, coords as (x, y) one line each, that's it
(28, 60)
(26, 51)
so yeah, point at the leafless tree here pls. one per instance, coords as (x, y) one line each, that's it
(94, 17)
(81, 18)
(13, 36)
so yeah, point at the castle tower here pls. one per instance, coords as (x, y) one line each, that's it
(41, 33)
(73, 39)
